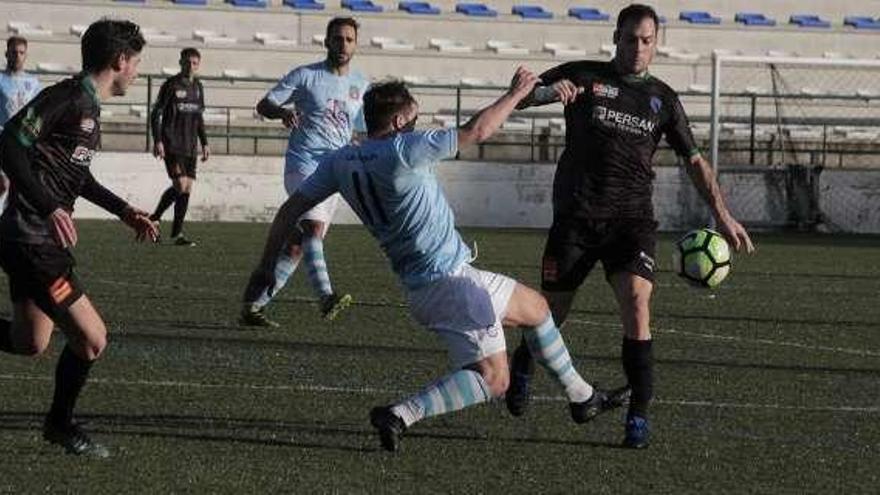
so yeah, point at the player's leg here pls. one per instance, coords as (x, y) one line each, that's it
(4, 188)
(529, 310)
(257, 295)
(172, 167)
(29, 331)
(566, 262)
(631, 275)
(315, 224)
(183, 185)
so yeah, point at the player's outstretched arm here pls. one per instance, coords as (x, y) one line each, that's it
(562, 91)
(138, 220)
(269, 109)
(484, 124)
(700, 172)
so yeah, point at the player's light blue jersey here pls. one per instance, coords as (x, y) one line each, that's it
(330, 107)
(16, 90)
(391, 185)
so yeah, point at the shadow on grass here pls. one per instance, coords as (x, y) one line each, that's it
(271, 433)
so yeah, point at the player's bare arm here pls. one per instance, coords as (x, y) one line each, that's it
(267, 108)
(482, 125)
(562, 91)
(700, 171)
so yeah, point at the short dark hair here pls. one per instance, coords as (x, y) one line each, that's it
(342, 21)
(382, 101)
(15, 41)
(636, 12)
(190, 52)
(105, 40)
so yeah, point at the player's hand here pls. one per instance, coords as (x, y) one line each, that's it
(139, 220)
(65, 230)
(159, 150)
(567, 91)
(206, 153)
(735, 234)
(523, 82)
(290, 119)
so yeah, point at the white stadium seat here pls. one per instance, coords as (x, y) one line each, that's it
(564, 50)
(506, 47)
(387, 43)
(449, 45)
(273, 39)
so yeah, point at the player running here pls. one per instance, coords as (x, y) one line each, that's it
(46, 151)
(176, 122)
(615, 114)
(327, 99)
(389, 181)
(17, 87)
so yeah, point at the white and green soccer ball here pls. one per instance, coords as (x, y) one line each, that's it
(702, 257)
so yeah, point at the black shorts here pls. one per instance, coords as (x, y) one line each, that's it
(180, 166)
(42, 273)
(575, 245)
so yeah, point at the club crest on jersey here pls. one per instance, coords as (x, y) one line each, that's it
(354, 93)
(87, 125)
(605, 90)
(656, 104)
(180, 93)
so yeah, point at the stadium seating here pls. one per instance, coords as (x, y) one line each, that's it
(304, 4)
(418, 8)
(564, 50)
(449, 45)
(809, 20)
(531, 12)
(25, 29)
(191, 2)
(588, 14)
(861, 22)
(387, 43)
(475, 10)
(506, 47)
(753, 19)
(361, 6)
(210, 37)
(273, 39)
(698, 17)
(248, 3)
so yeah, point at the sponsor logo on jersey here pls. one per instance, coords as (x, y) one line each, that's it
(82, 155)
(87, 125)
(354, 92)
(656, 104)
(184, 107)
(605, 90)
(623, 121)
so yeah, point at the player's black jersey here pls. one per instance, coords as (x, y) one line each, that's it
(58, 133)
(612, 132)
(177, 117)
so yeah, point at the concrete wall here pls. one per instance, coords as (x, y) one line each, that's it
(248, 188)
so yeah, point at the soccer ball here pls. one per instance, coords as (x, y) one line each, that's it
(702, 257)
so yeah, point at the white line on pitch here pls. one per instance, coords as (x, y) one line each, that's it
(380, 391)
(733, 338)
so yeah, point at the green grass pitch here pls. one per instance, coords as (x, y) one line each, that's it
(770, 384)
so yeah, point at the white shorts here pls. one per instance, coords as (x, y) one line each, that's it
(323, 211)
(465, 309)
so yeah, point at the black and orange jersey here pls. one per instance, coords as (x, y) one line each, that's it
(177, 119)
(47, 153)
(612, 131)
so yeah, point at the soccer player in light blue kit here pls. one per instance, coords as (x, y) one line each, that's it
(328, 106)
(389, 180)
(17, 87)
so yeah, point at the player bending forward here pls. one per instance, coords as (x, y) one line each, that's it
(390, 183)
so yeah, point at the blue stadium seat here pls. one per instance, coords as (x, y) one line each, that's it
(421, 8)
(531, 12)
(753, 19)
(191, 2)
(809, 20)
(248, 3)
(588, 14)
(698, 17)
(304, 4)
(861, 22)
(475, 10)
(361, 6)
(131, 1)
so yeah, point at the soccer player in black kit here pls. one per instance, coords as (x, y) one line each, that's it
(177, 122)
(615, 114)
(46, 151)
